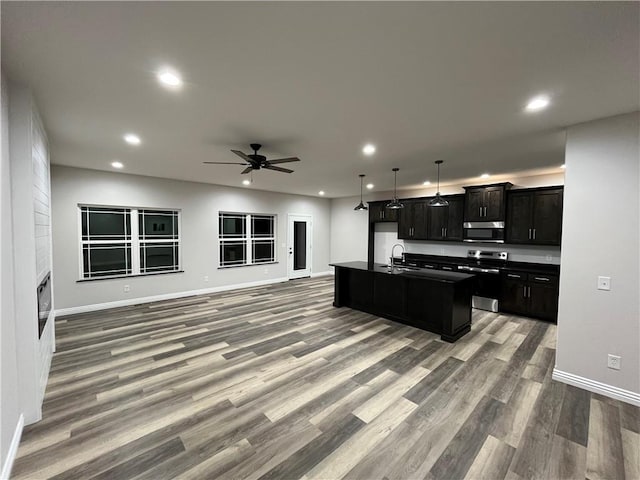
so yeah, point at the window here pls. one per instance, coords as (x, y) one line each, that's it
(246, 239)
(127, 241)
(158, 233)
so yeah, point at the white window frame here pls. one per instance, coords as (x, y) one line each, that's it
(134, 242)
(248, 239)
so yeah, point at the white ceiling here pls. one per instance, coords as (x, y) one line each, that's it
(422, 81)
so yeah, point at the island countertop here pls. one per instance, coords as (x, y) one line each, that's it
(437, 275)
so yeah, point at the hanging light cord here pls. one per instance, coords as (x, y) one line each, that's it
(395, 179)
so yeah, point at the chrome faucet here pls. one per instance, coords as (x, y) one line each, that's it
(393, 250)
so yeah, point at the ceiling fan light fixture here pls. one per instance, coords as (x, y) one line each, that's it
(438, 201)
(361, 206)
(395, 204)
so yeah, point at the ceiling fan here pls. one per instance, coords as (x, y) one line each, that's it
(253, 161)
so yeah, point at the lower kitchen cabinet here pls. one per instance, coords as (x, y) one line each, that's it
(531, 295)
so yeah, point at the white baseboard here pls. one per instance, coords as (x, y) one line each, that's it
(13, 449)
(167, 296)
(322, 274)
(597, 387)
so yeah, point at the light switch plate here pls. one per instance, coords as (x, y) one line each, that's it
(604, 283)
(614, 361)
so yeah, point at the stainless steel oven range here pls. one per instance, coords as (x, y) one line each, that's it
(486, 266)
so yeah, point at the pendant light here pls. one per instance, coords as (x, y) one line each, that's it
(361, 206)
(395, 203)
(438, 201)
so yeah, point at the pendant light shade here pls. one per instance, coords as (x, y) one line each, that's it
(438, 201)
(395, 203)
(361, 206)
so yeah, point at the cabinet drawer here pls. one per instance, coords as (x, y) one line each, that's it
(543, 279)
(516, 275)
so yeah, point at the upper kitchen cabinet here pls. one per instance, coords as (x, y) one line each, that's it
(485, 203)
(534, 216)
(412, 220)
(445, 223)
(379, 213)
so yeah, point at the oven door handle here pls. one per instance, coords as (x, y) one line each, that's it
(493, 271)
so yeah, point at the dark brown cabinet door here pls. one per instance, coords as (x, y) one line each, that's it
(543, 301)
(535, 216)
(388, 294)
(359, 285)
(547, 217)
(455, 214)
(379, 213)
(514, 294)
(390, 215)
(445, 223)
(474, 210)
(424, 306)
(493, 204)
(412, 220)
(437, 222)
(376, 210)
(519, 221)
(419, 220)
(405, 221)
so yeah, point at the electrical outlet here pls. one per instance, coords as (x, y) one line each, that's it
(266, 271)
(604, 283)
(442, 251)
(127, 288)
(614, 361)
(206, 278)
(549, 258)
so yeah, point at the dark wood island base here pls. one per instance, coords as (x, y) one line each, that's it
(436, 301)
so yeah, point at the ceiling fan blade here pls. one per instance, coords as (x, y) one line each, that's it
(225, 163)
(278, 169)
(247, 170)
(243, 155)
(284, 160)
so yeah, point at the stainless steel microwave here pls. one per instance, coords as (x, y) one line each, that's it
(483, 232)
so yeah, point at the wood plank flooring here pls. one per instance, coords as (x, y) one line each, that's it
(275, 383)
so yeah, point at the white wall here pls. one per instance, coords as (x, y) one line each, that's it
(349, 229)
(9, 401)
(200, 204)
(601, 237)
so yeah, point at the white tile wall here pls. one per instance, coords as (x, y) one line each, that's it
(41, 199)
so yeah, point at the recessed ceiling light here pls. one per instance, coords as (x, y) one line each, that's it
(426, 183)
(485, 175)
(563, 166)
(246, 182)
(369, 149)
(132, 139)
(321, 192)
(538, 103)
(117, 164)
(169, 78)
(370, 186)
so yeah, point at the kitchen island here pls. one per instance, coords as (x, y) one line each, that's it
(437, 301)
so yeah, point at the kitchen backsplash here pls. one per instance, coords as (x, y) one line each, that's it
(386, 236)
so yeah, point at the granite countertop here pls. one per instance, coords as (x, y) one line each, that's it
(542, 268)
(426, 273)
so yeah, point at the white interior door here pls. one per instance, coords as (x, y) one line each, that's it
(299, 239)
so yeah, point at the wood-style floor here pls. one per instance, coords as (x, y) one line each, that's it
(274, 382)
